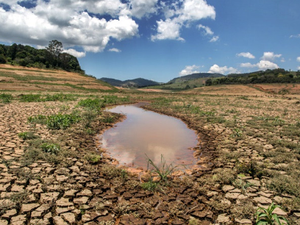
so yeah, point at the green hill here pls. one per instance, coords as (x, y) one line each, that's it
(187, 82)
(52, 57)
(134, 83)
(258, 77)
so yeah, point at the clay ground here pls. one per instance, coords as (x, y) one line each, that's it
(248, 157)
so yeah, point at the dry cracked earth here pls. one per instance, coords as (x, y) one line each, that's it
(74, 191)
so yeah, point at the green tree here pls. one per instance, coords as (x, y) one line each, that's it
(55, 48)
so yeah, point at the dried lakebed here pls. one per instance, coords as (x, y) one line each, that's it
(145, 134)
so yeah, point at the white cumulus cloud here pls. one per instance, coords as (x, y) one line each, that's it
(298, 59)
(214, 39)
(270, 56)
(75, 53)
(248, 65)
(168, 29)
(74, 23)
(179, 15)
(223, 70)
(114, 50)
(207, 30)
(246, 55)
(265, 64)
(189, 70)
(262, 65)
(140, 8)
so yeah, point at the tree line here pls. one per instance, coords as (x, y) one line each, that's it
(268, 76)
(52, 57)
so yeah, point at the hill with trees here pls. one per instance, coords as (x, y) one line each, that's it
(258, 77)
(134, 83)
(52, 57)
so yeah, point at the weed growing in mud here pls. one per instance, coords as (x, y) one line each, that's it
(111, 171)
(41, 119)
(93, 158)
(27, 135)
(19, 198)
(108, 119)
(50, 148)
(238, 183)
(50, 153)
(40, 98)
(266, 216)
(61, 121)
(244, 210)
(285, 184)
(224, 176)
(163, 170)
(31, 98)
(88, 116)
(250, 168)
(150, 185)
(92, 104)
(6, 98)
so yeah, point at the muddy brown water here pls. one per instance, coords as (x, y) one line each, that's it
(148, 134)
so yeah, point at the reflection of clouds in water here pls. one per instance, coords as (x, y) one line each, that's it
(147, 133)
(155, 153)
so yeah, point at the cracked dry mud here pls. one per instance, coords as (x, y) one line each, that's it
(76, 192)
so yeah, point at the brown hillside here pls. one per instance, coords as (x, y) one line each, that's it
(227, 90)
(33, 79)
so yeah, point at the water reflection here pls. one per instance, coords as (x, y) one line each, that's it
(147, 133)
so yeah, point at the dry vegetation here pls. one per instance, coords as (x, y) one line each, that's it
(51, 171)
(15, 78)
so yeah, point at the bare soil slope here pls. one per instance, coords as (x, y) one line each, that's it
(33, 79)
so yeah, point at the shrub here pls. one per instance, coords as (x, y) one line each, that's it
(27, 135)
(50, 148)
(266, 216)
(96, 103)
(150, 185)
(6, 98)
(250, 168)
(61, 121)
(93, 158)
(163, 170)
(60, 97)
(31, 98)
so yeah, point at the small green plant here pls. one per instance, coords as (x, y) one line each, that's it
(61, 121)
(150, 185)
(163, 171)
(242, 184)
(50, 148)
(37, 119)
(27, 135)
(236, 132)
(266, 216)
(108, 119)
(93, 158)
(250, 168)
(31, 98)
(243, 98)
(94, 104)
(6, 98)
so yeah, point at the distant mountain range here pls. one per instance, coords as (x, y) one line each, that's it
(136, 83)
(141, 82)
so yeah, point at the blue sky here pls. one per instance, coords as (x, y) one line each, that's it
(158, 39)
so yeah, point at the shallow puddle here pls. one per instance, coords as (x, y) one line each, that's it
(145, 133)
